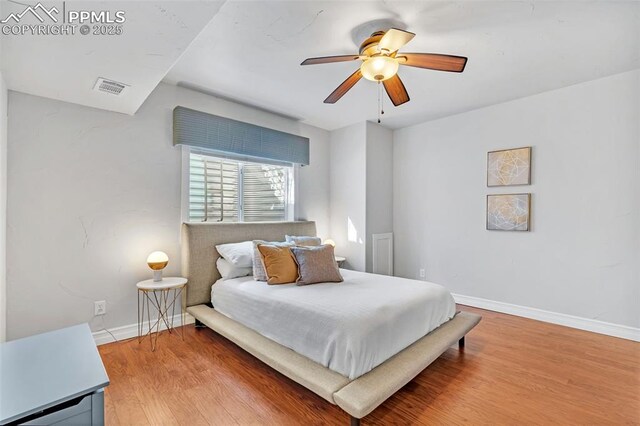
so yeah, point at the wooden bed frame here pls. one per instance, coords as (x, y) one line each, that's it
(357, 397)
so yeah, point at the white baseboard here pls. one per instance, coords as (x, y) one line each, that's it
(625, 332)
(128, 331)
(610, 329)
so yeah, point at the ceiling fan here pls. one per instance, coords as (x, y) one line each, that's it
(381, 60)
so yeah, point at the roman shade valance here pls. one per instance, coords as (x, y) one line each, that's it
(199, 129)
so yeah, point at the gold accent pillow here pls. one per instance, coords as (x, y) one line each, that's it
(279, 264)
(316, 265)
(259, 274)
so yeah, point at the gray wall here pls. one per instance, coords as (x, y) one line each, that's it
(92, 193)
(361, 164)
(3, 208)
(379, 185)
(348, 193)
(582, 256)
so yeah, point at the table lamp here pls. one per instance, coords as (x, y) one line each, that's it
(157, 261)
(330, 242)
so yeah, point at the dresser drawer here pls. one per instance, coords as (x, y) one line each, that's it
(82, 411)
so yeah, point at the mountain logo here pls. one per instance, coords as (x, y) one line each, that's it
(38, 11)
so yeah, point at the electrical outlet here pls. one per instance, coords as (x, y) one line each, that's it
(99, 308)
(423, 274)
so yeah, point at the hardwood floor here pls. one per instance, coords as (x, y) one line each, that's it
(512, 371)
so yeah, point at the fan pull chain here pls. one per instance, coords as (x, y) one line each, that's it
(379, 103)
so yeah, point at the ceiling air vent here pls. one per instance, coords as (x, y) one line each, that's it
(109, 86)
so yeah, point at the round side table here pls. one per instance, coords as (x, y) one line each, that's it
(161, 296)
(340, 260)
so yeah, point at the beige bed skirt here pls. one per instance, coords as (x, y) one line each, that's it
(357, 397)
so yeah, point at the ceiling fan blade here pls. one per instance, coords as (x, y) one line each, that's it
(394, 39)
(329, 59)
(344, 87)
(396, 91)
(434, 61)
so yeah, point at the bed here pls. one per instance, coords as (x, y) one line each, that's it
(354, 373)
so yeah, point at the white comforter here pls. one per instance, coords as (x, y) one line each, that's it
(349, 327)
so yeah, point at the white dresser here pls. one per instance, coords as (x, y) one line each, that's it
(52, 378)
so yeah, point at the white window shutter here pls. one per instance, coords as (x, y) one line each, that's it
(213, 195)
(264, 190)
(224, 190)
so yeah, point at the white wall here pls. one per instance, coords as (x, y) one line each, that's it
(312, 190)
(379, 185)
(361, 190)
(3, 207)
(348, 193)
(92, 192)
(582, 256)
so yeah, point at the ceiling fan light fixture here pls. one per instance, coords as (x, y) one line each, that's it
(381, 62)
(379, 68)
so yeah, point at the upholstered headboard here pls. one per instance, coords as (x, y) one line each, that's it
(199, 253)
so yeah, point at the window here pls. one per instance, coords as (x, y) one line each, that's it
(224, 190)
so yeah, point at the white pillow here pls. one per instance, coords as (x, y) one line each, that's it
(228, 271)
(238, 254)
(303, 240)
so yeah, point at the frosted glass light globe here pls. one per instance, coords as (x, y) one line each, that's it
(379, 68)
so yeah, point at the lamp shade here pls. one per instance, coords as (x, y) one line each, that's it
(157, 260)
(330, 242)
(379, 68)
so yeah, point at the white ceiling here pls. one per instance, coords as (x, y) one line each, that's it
(66, 68)
(251, 51)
